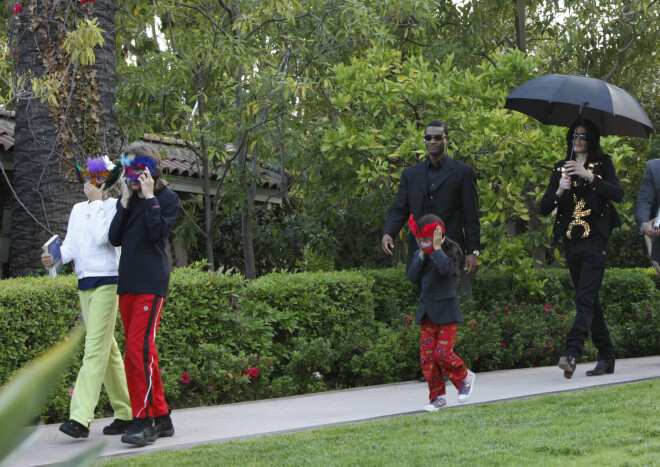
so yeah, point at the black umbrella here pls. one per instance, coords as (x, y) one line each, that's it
(561, 99)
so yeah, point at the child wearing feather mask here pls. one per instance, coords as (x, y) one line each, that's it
(146, 212)
(95, 263)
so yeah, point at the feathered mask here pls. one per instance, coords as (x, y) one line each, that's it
(425, 237)
(137, 166)
(100, 172)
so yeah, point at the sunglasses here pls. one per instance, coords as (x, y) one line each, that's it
(582, 136)
(435, 137)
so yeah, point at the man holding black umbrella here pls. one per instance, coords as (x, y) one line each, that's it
(583, 188)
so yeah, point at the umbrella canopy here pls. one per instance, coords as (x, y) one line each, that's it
(561, 99)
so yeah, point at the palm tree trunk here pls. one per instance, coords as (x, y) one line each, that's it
(48, 139)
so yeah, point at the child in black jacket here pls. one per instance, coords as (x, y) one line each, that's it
(434, 267)
(145, 214)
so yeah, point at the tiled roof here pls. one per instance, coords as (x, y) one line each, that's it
(6, 138)
(179, 160)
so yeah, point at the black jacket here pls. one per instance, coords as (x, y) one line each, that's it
(141, 231)
(599, 196)
(438, 299)
(454, 200)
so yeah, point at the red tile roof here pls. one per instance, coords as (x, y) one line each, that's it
(179, 160)
(6, 138)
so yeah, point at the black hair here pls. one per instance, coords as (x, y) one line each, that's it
(452, 249)
(438, 123)
(594, 151)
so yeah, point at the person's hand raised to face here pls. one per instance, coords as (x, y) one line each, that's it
(147, 184)
(438, 238)
(93, 193)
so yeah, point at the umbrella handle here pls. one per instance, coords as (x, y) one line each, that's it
(580, 111)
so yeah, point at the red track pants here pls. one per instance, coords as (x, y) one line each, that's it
(141, 317)
(436, 350)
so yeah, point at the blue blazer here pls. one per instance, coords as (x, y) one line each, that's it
(437, 277)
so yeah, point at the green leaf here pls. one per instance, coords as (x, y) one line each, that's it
(22, 398)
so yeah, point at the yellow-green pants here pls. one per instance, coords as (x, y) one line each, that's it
(102, 362)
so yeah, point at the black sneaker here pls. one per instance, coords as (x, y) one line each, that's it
(568, 364)
(147, 430)
(118, 427)
(165, 426)
(74, 429)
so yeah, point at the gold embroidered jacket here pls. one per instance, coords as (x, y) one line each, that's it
(596, 198)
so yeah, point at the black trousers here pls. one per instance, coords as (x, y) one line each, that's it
(586, 262)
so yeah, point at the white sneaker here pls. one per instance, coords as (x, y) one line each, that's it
(437, 404)
(466, 388)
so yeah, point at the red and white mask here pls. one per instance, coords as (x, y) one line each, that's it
(425, 237)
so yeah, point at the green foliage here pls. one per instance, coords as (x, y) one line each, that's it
(22, 397)
(202, 305)
(341, 96)
(34, 313)
(80, 42)
(329, 330)
(213, 374)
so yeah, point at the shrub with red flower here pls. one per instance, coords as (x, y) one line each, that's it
(185, 378)
(503, 345)
(17, 8)
(252, 372)
(547, 308)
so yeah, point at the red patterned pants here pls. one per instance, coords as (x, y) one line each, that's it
(436, 350)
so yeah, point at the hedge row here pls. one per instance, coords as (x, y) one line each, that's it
(223, 339)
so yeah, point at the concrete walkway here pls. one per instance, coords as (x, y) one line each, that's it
(290, 414)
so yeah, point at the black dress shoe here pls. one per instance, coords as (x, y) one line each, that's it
(603, 367)
(568, 364)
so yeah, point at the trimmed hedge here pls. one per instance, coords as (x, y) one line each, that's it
(316, 331)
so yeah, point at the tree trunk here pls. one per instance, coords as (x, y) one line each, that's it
(48, 139)
(209, 204)
(519, 19)
(241, 139)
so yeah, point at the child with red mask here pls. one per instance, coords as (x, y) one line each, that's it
(435, 267)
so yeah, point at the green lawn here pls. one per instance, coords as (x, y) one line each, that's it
(618, 425)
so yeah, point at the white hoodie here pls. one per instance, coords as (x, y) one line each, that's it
(86, 241)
